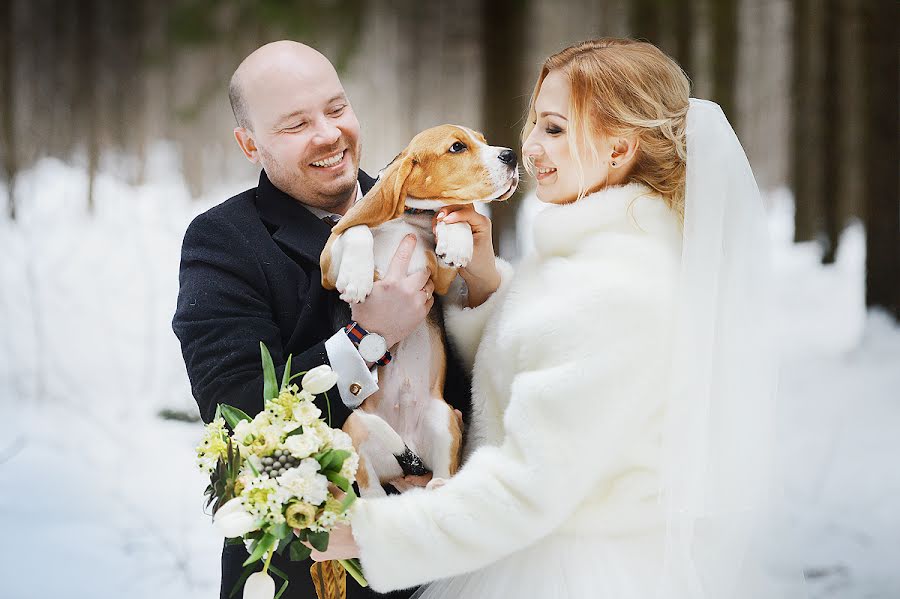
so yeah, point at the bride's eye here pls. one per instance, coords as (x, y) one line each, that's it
(553, 130)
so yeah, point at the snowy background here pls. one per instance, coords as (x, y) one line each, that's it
(99, 496)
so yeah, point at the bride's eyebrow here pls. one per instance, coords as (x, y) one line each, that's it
(543, 114)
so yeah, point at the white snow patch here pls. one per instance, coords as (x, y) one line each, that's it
(101, 497)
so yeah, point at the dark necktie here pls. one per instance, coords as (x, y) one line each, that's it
(331, 220)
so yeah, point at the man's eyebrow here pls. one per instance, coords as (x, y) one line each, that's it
(543, 114)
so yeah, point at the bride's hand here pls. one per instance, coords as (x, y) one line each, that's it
(341, 545)
(481, 275)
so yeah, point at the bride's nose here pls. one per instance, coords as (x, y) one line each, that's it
(531, 149)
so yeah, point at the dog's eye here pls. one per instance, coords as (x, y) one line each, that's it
(457, 147)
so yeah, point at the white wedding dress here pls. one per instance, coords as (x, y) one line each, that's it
(580, 481)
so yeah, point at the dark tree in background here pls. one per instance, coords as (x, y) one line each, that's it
(506, 94)
(7, 132)
(882, 144)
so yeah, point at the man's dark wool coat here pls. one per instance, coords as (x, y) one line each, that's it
(250, 273)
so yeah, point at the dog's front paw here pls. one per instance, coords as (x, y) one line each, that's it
(454, 243)
(355, 280)
(436, 483)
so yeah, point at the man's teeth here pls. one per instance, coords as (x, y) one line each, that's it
(544, 171)
(330, 161)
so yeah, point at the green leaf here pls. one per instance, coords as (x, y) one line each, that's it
(233, 415)
(277, 572)
(218, 413)
(303, 534)
(283, 587)
(286, 377)
(296, 431)
(262, 547)
(349, 498)
(325, 459)
(280, 530)
(342, 483)
(283, 544)
(319, 540)
(270, 383)
(244, 576)
(299, 552)
(337, 459)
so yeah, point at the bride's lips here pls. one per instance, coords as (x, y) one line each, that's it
(543, 172)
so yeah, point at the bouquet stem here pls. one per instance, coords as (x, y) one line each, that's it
(354, 569)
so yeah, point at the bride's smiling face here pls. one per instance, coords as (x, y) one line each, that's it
(548, 147)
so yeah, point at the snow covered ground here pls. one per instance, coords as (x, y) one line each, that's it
(99, 497)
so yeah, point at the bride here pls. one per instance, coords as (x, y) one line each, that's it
(621, 383)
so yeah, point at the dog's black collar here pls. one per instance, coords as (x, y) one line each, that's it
(418, 211)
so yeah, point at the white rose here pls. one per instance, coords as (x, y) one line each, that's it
(319, 380)
(233, 520)
(303, 445)
(341, 440)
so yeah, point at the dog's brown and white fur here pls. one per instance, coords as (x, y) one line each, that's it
(408, 410)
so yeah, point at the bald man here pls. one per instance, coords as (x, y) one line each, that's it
(250, 266)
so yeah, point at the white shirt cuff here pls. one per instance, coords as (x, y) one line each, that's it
(355, 381)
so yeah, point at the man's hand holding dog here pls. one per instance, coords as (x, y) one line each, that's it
(399, 302)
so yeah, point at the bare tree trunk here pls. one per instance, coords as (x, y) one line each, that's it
(682, 24)
(6, 84)
(504, 103)
(830, 168)
(643, 20)
(883, 147)
(87, 69)
(724, 57)
(807, 117)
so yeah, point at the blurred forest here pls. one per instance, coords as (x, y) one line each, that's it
(811, 87)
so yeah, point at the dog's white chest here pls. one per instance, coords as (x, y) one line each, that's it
(387, 238)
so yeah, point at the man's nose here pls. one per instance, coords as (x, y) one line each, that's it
(327, 133)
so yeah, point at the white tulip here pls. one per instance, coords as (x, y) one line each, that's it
(233, 520)
(259, 586)
(319, 380)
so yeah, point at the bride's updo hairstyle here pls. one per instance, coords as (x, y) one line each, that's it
(622, 87)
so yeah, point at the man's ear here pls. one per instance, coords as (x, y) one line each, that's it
(244, 138)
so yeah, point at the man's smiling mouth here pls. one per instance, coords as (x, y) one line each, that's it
(330, 161)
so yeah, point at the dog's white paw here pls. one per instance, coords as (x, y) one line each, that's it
(454, 243)
(356, 270)
(355, 279)
(436, 483)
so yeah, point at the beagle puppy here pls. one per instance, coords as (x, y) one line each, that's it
(406, 426)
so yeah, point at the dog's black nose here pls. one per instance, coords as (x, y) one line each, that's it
(508, 157)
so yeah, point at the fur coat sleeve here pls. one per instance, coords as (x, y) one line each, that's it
(588, 327)
(465, 325)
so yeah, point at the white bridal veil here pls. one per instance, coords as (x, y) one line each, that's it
(719, 436)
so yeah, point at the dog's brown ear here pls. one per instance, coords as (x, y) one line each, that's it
(385, 201)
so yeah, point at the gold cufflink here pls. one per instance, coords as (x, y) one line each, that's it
(355, 388)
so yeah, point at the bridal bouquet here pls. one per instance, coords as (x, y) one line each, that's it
(271, 476)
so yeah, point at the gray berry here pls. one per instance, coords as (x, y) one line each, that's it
(278, 453)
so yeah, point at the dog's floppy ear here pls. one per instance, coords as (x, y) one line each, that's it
(385, 201)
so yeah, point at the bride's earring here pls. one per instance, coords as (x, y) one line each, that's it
(613, 163)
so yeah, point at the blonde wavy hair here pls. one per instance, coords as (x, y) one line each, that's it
(623, 87)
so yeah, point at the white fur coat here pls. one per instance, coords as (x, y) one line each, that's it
(570, 367)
